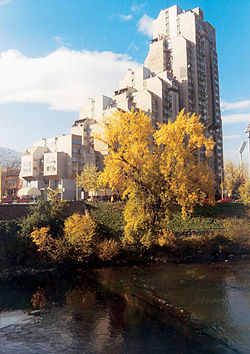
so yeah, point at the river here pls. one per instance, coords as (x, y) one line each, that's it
(155, 308)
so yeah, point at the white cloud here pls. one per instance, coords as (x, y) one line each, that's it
(229, 137)
(236, 118)
(61, 41)
(5, 2)
(145, 25)
(228, 106)
(133, 46)
(63, 80)
(137, 7)
(126, 17)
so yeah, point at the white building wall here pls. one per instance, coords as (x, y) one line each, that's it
(135, 78)
(173, 11)
(187, 26)
(143, 100)
(64, 144)
(166, 22)
(155, 58)
(159, 24)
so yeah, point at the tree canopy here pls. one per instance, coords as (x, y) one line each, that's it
(234, 177)
(156, 169)
(88, 179)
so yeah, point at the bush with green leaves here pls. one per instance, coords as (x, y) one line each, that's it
(13, 248)
(45, 214)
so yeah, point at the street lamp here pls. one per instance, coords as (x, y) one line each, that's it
(241, 149)
(248, 131)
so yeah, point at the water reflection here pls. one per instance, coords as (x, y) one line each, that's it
(38, 299)
(8, 318)
(153, 309)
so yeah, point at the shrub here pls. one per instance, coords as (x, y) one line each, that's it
(61, 250)
(56, 249)
(109, 219)
(44, 214)
(13, 248)
(108, 250)
(79, 231)
(166, 238)
(238, 230)
(38, 299)
(244, 191)
(42, 239)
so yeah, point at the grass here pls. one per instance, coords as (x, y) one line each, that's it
(223, 210)
(109, 218)
(233, 238)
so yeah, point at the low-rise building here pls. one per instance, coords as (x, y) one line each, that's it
(54, 163)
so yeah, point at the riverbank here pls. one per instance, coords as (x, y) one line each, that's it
(14, 273)
(212, 234)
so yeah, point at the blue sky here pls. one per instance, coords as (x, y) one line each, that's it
(55, 54)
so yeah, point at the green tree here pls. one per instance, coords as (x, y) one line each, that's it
(45, 214)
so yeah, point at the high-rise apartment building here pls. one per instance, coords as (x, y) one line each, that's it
(180, 71)
(184, 45)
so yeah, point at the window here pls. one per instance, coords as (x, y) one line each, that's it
(50, 159)
(26, 166)
(75, 141)
(75, 150)
(12, 182)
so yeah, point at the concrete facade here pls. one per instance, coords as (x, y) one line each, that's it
(184, 45)
(180, 71)
(154, 94)
(53, 163)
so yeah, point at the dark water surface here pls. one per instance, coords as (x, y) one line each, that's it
(159, 308)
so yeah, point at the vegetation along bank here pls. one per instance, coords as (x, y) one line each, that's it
(162, 184)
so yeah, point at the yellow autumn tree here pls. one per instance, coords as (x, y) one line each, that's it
(244, 191)
(79, 231)
(234, 177)
(43, 240)
(187, 180)
(155, 169)
(88, 179)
